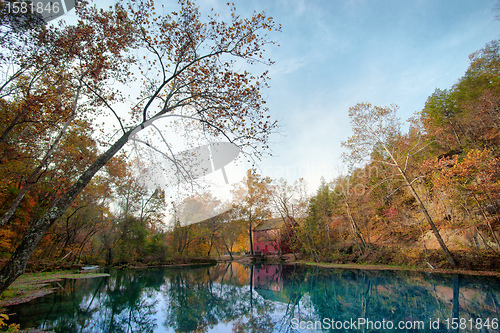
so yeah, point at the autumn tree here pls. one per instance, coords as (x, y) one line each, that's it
(47, 107)
(213, 228)
(347, 191)
(132, 195)
(472, 185)
(466, 116)
(477, 94)
(49, 79)
(138, 214)
(195, 223)
(233, 235)
(181, 236)
(376, 134)
(462, 124)
(252, 197)
(70, 238)
(188, 67)
(290, 202)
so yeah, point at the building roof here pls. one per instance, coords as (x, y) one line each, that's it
(270, 224)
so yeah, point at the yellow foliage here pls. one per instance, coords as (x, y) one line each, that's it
(241, 243)
(12, 328)
(5, 240)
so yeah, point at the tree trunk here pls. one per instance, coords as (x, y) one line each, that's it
(11, 126)
(443, 246)
(17, 263)
(354, 225)
(229, 251)
(250, 238)
(447, 253)
(314, 254)
(290, 241)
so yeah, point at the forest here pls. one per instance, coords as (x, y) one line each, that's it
(422, 194)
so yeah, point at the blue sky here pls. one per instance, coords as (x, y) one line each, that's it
(334, 54)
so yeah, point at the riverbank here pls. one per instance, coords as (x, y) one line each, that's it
(41, 275)
(174, 262)
(384, 258)
(396, 268)
(411, 258)
(33, 285)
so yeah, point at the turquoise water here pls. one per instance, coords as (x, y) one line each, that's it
(267, 298)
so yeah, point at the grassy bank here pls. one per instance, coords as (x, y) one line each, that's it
(38, 281)
(32, 285)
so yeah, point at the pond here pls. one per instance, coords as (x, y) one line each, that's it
(267, 298)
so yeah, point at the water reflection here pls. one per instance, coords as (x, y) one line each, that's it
(266, 298)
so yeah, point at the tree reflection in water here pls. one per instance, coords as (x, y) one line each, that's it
(199, 300)
(266, 298)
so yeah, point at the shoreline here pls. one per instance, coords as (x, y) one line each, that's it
(30, 286)
(373, 267)
(34, 285)
(398, 268)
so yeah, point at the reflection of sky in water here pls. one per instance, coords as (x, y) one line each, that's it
(159, 318)
(218, 299)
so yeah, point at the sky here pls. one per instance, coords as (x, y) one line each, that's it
(333, 54)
